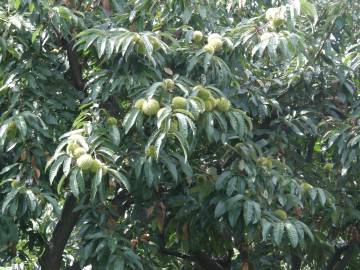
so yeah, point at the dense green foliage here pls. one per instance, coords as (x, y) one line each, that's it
(180, 134)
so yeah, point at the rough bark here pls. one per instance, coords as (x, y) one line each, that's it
(52, 257)
(295, 262)
(342, 256)
(201, 258)
(206, 262)
(75, 66)
(347, 255)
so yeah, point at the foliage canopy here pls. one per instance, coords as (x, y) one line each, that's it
(180, 134)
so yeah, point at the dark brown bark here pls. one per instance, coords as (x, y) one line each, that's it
(347, 255)
(176, 254)
(75, 266)
(75, 66)
(295, 262)
(342, 256)
(201, 258)
(106, 6)
(52, 257)
(206, 262)
(310, 149)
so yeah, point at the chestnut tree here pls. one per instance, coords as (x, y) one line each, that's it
(179, 134)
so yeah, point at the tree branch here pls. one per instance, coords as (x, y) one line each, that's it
(318, 53)
(203, 259)
(295, 262)
(75, 266)
(337, 262)
(52, 257)
(206, 262)
(176, 254)
(310, 149)
(74, 64)
(348, 254)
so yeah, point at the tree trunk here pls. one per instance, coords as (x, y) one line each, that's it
(52, 257)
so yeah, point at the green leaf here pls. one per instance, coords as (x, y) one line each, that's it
(149, 49)
(114, 134)
(231, 201)
(61, 184)
(248, 212)
(292, 234)
(55, 167)
(278, 231)
(322, 196)
(170, 166)
(307, 230)
(233, 216)
(32, 200)
(96, 180)
(220, 209)
(309, 9)
(149, 172)
(67, 165)
(8, 168)
(220, 182)
(119, 263)
(183, 124)
(231, 186)
(21, 125)
(36, 33)
(80, 181)
(74, 187)
(101, 46)
(151, 90)
(266, 227)
(133, 258)
(158, 143)
(54, 204)
(121, 178)
(9, 197)
(183, 143)
(130, 119)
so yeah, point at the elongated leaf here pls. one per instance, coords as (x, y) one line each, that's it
(9, 197)
(322, 196)
(115, 134)
(292, 234)
(80, 181)
(220, 209)
(21, 125)
(183, 143)
(220, 182)
(67, 165)
(248, 212)
(183, 125)
(8, 168)
(54, 204)
(61, 184)
(307, 230)
(152, 89)
(231, 186)
(158, 143)
(170, 166)
(266, 227)
(121, 178)
(55, 168)
(278, 231)
(309, 9)
(74, 186)
(95, 182)
(130, 119)
(231, 201)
